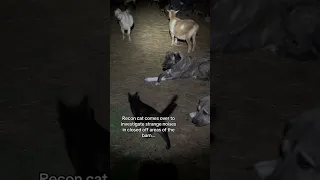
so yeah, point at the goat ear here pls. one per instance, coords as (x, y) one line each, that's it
(168, 10)
(176, 11)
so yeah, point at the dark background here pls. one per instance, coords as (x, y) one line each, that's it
(51, 50)
(59, 49)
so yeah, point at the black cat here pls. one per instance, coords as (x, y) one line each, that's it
(140, 109)
(86, 142)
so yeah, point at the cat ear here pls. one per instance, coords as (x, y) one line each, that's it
(61, 107)
(129, 97)
(305, 161)
(137, 95)
(84, 102)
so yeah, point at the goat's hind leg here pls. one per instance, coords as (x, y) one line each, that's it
(189, 44)
(172, 40)
(194, 41)
(129, 34)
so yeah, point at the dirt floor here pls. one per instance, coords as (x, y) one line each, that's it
(59, 50)
(131, 62)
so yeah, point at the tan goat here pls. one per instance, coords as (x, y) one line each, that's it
(183, 29)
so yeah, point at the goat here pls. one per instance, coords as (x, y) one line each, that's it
(128, 1)
(125, 20)
(182, 29)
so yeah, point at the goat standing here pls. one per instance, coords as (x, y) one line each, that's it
(182, 29)
(125, 20)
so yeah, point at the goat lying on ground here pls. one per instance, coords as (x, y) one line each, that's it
(182, 29)
(125, 20)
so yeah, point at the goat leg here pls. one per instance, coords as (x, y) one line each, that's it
(189, 44)
(194, 42)
(172, 39)
(129, 34)
(176, 41)
(122, 30)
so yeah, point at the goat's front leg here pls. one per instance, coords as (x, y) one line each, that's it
(129, 34)
(122, 30)
(176, 41)
(189, 44)
(172, 39)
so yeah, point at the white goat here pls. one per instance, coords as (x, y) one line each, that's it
(125, 21)
(182, 29)
(128, 1)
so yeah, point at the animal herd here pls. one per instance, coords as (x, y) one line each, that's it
(175, 66)
(299, 157)
(182, 29)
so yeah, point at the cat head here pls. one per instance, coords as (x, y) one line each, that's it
(72, 115)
